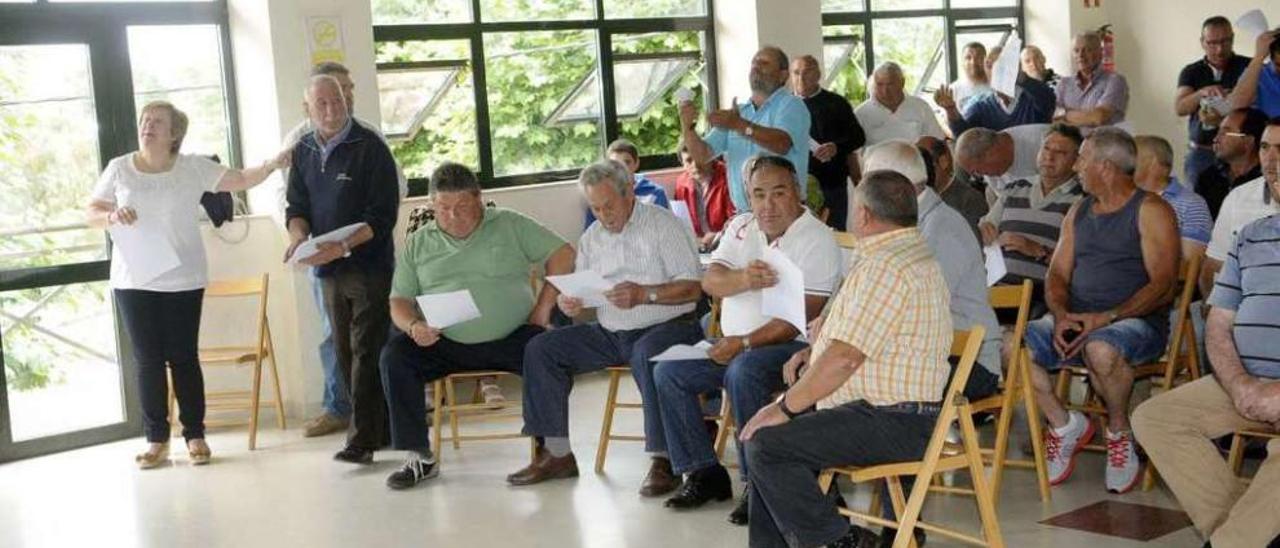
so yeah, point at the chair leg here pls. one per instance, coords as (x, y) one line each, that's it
(982, 492)
(875, 506)
(905, 537)
(825, 479)
(255, 399)
(1003, 425)
(606, 427)
(275, 381)
(450, 394)
(726, 424)
(437, 417)
(1034, 428)
(173, 397)
(1235, 457)
(1149, 476)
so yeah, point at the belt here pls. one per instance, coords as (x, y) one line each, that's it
(931, 408)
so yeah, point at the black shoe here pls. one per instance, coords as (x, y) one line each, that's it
(857, 537)
(354, 455)
(702, 486)
(888, 533)
(741, 515)
(416, 470)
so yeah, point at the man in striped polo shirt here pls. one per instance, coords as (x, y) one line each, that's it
(1026, 221)
(1178, 428)
(1155, 168)
(652, 258)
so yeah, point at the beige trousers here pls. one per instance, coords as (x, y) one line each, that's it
(1177, 430)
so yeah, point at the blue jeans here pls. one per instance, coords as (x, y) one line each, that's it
(1198, 160)
(1135, 339)
(337, 398)
(552, 359)
(752, 378)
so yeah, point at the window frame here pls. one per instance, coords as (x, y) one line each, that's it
(604, 29)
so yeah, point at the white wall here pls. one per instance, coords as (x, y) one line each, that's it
(743, 26)
(1154, 40)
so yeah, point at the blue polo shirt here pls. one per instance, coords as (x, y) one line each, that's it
(1249, 284)
(1268, 99)
(783, 111)
(1194, 221)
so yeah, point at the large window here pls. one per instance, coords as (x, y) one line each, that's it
(531, 90)
(923, 36)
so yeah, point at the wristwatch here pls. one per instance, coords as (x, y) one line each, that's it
(346, 249)
(750, 130)
(652, 296)
(746, 342)
(1112, 316)
(782, 404)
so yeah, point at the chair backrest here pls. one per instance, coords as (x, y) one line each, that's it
(1014, 297)
(1188, 274)
(964, 345)
(244, 287)
(846, 240)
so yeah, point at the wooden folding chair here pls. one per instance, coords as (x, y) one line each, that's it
(612, 404)
(1235, 458)
(940, 456)
(1163, 372)
(261, 350)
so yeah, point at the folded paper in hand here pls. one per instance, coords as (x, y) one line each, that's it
(311, 246)
(587, 285)
(443, 310)
(682, 352)
(785, 299)
(146, 255)
(996, 269)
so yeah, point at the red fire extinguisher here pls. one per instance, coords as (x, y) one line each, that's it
(1108, 48)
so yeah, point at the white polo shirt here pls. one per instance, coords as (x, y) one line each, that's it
(1242, 206)
(1026, 151)
(913, 119)
(808, 242)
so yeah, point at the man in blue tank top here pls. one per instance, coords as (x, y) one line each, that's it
(1108, 289)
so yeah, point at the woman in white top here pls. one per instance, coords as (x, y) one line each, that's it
(148, 201)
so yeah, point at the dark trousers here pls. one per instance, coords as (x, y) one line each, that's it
(787, 508)
(407, 367)
(836, 198)
(356, 301)
(552, 359)
(165, 330)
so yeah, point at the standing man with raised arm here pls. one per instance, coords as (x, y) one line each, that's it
(773, 122)
(344, 174)
(1210, 79)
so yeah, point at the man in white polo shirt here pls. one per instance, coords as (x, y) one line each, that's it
(754, 346)
(892, 114)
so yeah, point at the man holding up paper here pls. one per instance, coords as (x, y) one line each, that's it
(652, 259)
(755, 345)
(469, 256)
(343, 174)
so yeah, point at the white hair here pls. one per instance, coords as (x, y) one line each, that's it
(898, 156)
(318, 80)
(611, 172)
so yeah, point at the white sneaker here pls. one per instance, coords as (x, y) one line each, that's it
(1123, 468)
(1061, 449)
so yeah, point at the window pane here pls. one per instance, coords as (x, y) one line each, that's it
(887, 5)
(529, 74)
(645, 87)
(844, 62)
(48, 157)
(124, 1)
(617, 9)
(988, 32)
(836, 6)
(190, 77)
(428, 111)
(984, 3)
(391, 12)
(60, 364)
(916, 45)
(536, 10)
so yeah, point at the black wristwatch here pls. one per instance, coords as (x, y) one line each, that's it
(782, 404)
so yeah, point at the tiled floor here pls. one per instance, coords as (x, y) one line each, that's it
(289, 493)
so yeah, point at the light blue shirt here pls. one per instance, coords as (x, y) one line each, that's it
(783, 111)
(328, 147)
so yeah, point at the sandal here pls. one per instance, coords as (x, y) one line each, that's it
(199, 455)
(153, 457)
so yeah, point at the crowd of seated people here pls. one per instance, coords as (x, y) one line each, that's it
(1092, 215)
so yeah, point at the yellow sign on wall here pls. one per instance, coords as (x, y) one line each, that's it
(324, 39)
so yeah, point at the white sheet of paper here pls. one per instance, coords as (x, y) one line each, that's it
(310, 246)
(684, 95)
(681, 352)
(785, 300)
(814, 145)
(1004, 74)
(1221, 105)
(996, 268)
(146, 256)
(681, 210)
(587, 285)
(1251, 24)
(444, 310)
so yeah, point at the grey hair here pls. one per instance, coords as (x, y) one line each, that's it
(890, 68)
(453, 177)
(976, 143)
(899, 157)
(1115, 145)
(1091, 38)
(780, 56)
(889, 196)
(1157, 146)
(329, 67)
(317, 79)
(609, 171)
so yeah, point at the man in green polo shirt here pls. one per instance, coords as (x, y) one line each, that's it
(487, 252)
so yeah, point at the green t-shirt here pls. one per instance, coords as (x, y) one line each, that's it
(493, 263)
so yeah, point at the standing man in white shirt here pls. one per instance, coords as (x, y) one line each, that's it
(892, 114)
(754, 346)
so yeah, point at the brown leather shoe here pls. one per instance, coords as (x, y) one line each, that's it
(660, 480)
(545, 467)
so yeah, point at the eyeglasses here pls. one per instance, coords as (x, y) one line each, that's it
(1234, 134)
(1222, 42)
